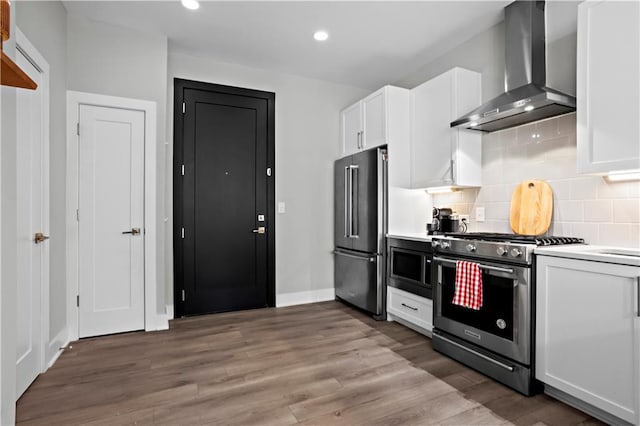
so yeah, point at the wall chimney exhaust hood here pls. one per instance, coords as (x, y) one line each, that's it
(527, 98)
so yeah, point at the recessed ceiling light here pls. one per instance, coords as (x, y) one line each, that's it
(529, 107)
(191, 4)
(473, 124)
(321, 35)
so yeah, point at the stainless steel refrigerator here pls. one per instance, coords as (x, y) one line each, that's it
(360, 228)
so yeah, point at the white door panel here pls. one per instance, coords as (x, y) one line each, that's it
(111, 201)
(29, 256)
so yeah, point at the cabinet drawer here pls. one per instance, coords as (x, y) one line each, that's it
(415, 309)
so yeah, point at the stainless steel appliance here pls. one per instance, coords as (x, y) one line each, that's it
(409, 266)
(527, 97)
(444, 221)
(497, 339)
(360, 228)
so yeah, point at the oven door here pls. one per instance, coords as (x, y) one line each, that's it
(503, 323)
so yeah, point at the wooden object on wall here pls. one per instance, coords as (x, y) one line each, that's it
(531, 208)
(5, 19)
(10, 72)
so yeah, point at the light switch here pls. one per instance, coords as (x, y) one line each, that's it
(281, 207)
(480, 214)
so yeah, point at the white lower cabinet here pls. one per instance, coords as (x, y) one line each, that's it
(588, 335)
(413, 311)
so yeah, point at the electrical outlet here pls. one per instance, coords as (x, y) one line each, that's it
(281, 207)
(464, 218)
(479, 214)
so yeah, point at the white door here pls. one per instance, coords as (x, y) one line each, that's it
(111, 220)
(32, 271)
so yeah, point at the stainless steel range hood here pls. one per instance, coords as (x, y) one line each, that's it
(527, 98)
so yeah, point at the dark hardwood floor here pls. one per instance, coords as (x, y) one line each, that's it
(318, 364)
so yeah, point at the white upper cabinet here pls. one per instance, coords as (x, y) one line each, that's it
(608, 86)
(350, 129)
(440, 155)
(378, 119)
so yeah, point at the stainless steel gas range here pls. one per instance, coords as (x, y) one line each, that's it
(497, 339)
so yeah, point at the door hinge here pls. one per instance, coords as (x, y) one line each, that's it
(182, 170)
(268, 171)
(77, 215)
(183, 295)
(184, 107)
(78, 129)
(182, 232)
(78, 300)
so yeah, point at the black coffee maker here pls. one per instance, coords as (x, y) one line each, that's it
(443, 221)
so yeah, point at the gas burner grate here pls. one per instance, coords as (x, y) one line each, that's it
(542, 240)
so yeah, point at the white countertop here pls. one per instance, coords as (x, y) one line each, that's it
(413, 237)
(607, 254)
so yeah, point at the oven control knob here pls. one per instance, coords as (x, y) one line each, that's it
(515, 252)
(501, 251)
(471, 248)
(445, 244)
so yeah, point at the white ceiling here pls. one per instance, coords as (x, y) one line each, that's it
(371, 43)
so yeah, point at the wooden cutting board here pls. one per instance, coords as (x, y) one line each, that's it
(531, 208)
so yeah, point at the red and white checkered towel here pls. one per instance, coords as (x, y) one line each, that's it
(468, 285)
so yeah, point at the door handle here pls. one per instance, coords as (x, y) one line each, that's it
(260, 230)
(134, 231)
(39, 237)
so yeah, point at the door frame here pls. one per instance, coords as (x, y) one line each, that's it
(152, 320)
(24, 47)
(179, 85)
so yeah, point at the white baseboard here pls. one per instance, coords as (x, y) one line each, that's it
(169, 311)
(54, 350)
(303, 297)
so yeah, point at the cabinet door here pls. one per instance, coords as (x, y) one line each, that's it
(350, 129)
(431, 136)
(588, 333)
(608, 104)
(375, 119)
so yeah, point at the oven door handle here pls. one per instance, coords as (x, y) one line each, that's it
(485, 267)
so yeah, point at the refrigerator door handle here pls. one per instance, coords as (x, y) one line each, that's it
(367, 257)
(353, 223)
(346, 202)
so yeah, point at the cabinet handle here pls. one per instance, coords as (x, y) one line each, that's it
(410, 307)
(638, 293)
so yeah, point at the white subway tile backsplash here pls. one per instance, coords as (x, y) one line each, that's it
(497, 211)
(635, 236)
(588, 231)
(585, 206)
(547, 129)
(584, 188)
(568, 211)
(614, 234)
(598, 211)
(626, 211)
(526, 134)
(560, 228)
(561, 189)
(612, 190)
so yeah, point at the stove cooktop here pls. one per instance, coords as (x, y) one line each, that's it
(540, 240)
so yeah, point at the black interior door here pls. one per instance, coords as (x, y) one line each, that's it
(223, 205)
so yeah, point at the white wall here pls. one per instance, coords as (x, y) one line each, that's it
(110, 60)
(307, 122)
(584, 206)
(45, 25)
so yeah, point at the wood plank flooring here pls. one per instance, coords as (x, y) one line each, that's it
(319, 364)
